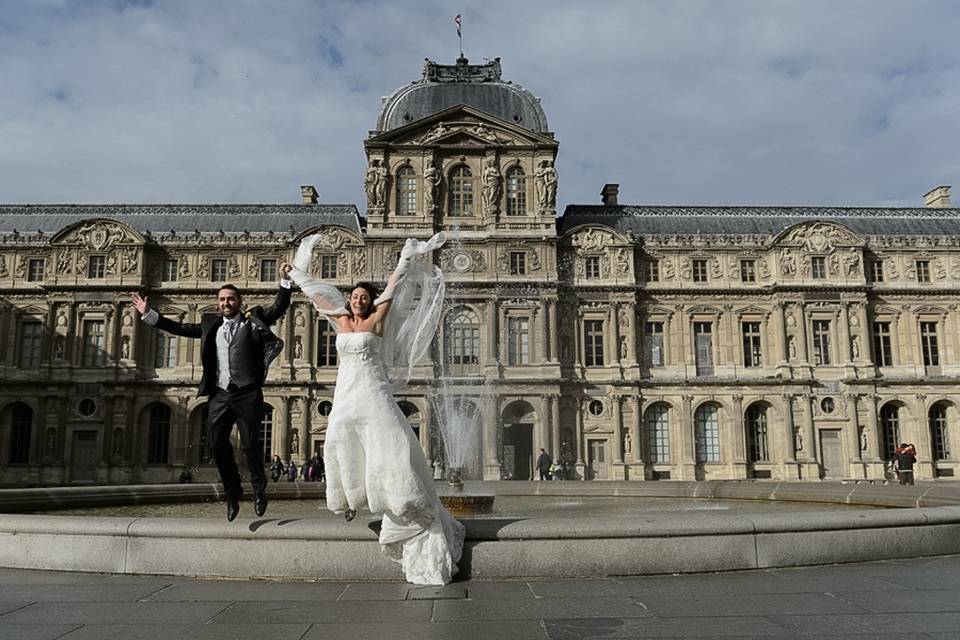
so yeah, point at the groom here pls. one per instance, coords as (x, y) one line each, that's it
(236, 349)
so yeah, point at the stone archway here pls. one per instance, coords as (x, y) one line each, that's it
(519, 420)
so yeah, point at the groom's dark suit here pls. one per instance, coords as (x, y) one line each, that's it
(250, 348)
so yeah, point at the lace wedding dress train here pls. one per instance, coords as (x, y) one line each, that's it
(373, 460)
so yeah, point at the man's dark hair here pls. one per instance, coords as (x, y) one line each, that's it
(231, 288)
(370, 289)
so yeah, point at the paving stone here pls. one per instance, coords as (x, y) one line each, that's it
(540, 608)
(12, 605)
(375, 591)
(34, 631)
(568, 588)
(748, 605)
(191, 631)
(96, 592)
(446, 592)
(324, 612)
(905, 601)
(654, 627)
(114, 612)
(496, 630)
(230, 590)
(482, 590)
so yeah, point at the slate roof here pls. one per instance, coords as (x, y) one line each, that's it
(183, 218)
(712, 220)
(477, 86)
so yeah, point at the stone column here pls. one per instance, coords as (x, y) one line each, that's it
(845, 348)
(809, 446)
(493, 347)
(281, 421)
(490, 420)
(790, 440)
(687, 459)
(872, 429)
(300, 424)
(853, 429)
(780, 335)
(554, 338)
(615, 326)
(631, 333)
(739, 456)
(429, 427)
(617, 430)
(804, 346)
(636, 404)
(578, 436)
(554, 425)
(539, 342)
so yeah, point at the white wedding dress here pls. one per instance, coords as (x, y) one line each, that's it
(371, 455)
(373, 460)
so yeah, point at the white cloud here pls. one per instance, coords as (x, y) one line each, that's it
(748, 102)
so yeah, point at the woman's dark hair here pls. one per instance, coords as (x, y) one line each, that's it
(370, 289)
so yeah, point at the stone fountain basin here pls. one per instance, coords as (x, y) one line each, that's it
(546, 545)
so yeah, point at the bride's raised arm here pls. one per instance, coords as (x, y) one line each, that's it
(327, 299)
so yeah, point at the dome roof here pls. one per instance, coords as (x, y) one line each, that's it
(475, 85)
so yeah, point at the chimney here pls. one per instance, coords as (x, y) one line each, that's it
(937, 198)
(609, 194)
(309, 193)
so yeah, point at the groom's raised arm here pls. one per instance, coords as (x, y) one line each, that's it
(151, 317)
(282, 302)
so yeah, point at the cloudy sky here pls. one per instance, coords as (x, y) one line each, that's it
(779, 102)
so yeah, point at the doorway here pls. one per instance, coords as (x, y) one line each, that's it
(518, 452)
(831, 454)
(83, 457)
(597, 459)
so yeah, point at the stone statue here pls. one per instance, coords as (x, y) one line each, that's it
(374, 183)
(58, 348)
(788, 264)
(863, 440)
(295, 443)
(125, 347)
(545, 179)
(431, 182)
(491, 189)
(798, 441)
(297, 348)
(117, 443)
(855, 347)
(627, 443)
(792, 348)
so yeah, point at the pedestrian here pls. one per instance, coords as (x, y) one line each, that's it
(291, 471)
(543, 465)
(904, 458)
(276, 468)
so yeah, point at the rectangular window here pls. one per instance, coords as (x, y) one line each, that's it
(928, 342)
(326, 346)
(218, 270)
(96, 267)
(703, 346)
(516, 193)
(328, 267)
(748, 271)
(268, 270)
(518, 263)
(591, 267)
(31, 339)
(818, 267)
(653, 338)
(465, 347)
(166, 353)
(406, 193)
(94, 342)
(882, 349)
(35, 269)
(699, 270)
(923, 271)
(518, 340)
(821, 342)
(752, 355)
(653, 271)
(876, 270)
(593, 343)
(168, 270)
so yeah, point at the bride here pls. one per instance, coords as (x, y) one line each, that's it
(371, 455)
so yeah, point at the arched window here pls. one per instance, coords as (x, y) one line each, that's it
(516, 192)
(463, 337)
(266, 435)
(938, 432)
(757, 433)
(658, 433)
(461, 192)
(707, 434)
(21, 427)
(406, 192)
(158, 434)
(890, 428)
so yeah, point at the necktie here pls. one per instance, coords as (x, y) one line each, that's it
(231, 329)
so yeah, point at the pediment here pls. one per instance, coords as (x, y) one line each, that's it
(591, 238)
(819, 237)
(98, 235)
(461, 126)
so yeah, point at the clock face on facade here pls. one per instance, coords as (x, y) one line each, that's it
(462, 262)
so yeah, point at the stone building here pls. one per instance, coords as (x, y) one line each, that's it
(634, 342)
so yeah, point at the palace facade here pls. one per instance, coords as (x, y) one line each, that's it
(634, 342)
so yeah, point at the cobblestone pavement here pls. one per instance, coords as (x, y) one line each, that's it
(914, 598)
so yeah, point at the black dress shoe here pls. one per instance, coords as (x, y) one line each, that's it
(349, 514)
(260, 503)
(233, 507)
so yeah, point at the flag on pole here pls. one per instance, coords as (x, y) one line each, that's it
(459, 24)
